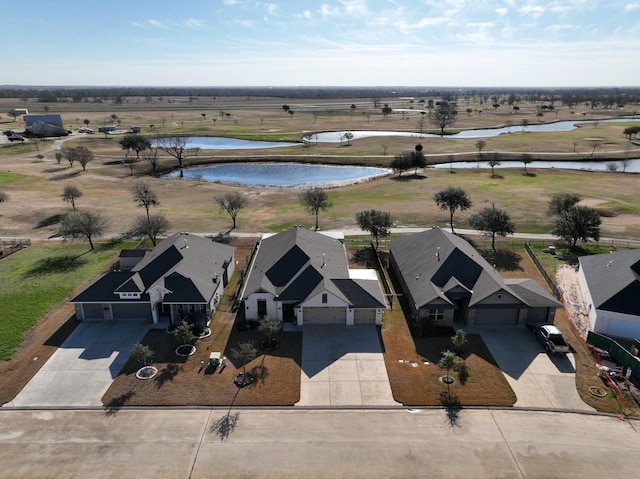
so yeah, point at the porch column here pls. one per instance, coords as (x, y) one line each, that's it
(350, 316)
(300, 317)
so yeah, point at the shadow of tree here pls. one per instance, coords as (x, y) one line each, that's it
(166, 374)
(112, 408)
(225, 425)
(58, 264)
(260, 373)
(49, 221)
(66, 176)
(503, 259)
(453, 408)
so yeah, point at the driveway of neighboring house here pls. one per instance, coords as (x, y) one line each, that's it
(82, 369)
(539, 379)
(343, 366)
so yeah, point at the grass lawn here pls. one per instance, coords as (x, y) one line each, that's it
(38, 279)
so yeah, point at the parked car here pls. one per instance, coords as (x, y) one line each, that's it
(8, 132)
(86, 130)
(15, 137)
(551, 338)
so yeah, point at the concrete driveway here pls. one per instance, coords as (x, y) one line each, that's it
(82, 369)
(538, 379)
(343, 366)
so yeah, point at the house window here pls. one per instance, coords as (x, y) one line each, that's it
(325, 298)
(262, 307)
(435, 314)
(499, 296)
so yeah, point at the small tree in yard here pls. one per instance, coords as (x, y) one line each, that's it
(492, 221)
(232, 203)
(447, 362)
(458, 340)
(184, 334)
(561, 202)
(452, 199)
(245, 353)
(70, 194)
(314, 200)
(526, 159)
(82, 225)
(378, 223)
(269, 327)
(494, 160)
(142, 353)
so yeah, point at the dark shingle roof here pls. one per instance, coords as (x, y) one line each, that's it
(282, 258)
(434, 263)
(613, 280)
(361, 293)
(192, 265)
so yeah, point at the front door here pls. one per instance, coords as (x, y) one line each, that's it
(262, 308)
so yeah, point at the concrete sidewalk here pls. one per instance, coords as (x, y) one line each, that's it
(82, 369)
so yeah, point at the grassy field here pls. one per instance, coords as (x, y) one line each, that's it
(38, 279)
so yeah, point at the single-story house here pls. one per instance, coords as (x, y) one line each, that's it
(182, 279)
(610, 286)
(444, 279)
(303, 276)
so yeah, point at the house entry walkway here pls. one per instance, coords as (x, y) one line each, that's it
(82, 369)
(343, 366)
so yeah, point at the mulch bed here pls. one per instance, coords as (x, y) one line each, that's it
(184, 382)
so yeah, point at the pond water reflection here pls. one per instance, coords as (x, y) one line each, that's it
(283, 175)
(222, 143)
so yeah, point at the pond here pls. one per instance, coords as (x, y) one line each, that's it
(338, 136)
(632, 167)
(222, 143)
(283, 175)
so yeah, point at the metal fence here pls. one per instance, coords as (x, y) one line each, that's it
(616, 352)
(543, 272)
(8, 247)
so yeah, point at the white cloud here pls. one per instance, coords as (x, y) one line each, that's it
(631, 6)
(194, 23)
(502, 11)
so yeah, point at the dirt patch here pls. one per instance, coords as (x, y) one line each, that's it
(567, 281)
(591, 202)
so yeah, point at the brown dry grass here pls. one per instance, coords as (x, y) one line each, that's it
(420, 385)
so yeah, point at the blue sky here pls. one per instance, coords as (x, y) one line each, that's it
(325, 43)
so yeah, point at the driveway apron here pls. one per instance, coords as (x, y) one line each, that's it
(343, 366)
(82, 369)
(538, 379)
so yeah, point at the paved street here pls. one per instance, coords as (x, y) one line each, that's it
(296, 443)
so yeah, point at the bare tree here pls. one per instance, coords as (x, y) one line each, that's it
(480, 144)
(232, 203)
(3, 197)
(443, 115)
(84, 156)
(150, 227)
(82, 225)
(314, 200)
(151, 157)
(178, 147)
(70, 194)
(144, 196)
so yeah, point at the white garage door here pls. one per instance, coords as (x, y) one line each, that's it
(364, 316)
(491, 317)
(336, 315)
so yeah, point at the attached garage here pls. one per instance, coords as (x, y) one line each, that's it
(496, 317)
(93, 311)
(131, 310)
(328, 315)
(364, 316)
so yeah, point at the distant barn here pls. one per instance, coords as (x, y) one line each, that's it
(44, 125)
